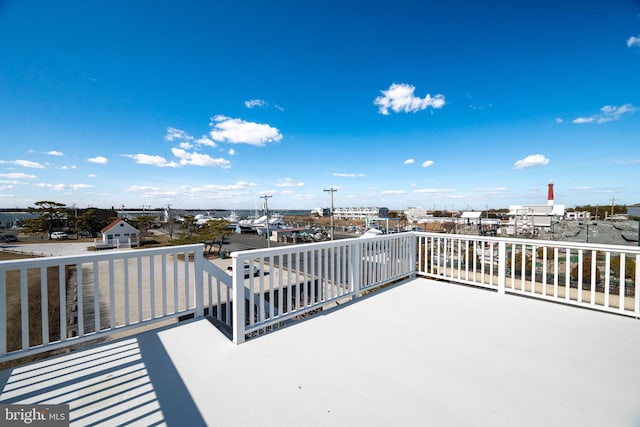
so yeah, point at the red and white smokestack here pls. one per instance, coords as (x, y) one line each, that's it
(550, 194)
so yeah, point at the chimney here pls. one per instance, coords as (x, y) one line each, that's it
(550, 194)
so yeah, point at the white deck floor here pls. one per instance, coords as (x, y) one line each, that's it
(422, 353)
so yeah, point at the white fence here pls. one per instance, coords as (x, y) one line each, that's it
(52, 302)
(290, 282)
(602, 277)
(59, 301)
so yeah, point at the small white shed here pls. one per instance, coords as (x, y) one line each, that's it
(120, 233)
(472, 217)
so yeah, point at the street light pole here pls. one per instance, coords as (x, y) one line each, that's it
(331, 191)
(266, 209)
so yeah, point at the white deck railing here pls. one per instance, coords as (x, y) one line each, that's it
(601, 277)
(289, 282)
(77, 298)
(70, 299)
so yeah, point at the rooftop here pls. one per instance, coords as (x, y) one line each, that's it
(421, 351)
(399, 329)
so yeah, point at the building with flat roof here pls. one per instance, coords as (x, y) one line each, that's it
(360, 213)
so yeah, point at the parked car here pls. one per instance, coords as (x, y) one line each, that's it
(5, 237)
(247, 270)
(59, 235)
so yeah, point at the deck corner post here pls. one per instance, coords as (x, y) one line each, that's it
(502, 266)
(354, 271)
(413, 247)
(238, 315)
(198, 259)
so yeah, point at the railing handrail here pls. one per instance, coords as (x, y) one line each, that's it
(536, 242)
(283, 250)
(97, 256)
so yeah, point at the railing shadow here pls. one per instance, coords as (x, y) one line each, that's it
(132, 380)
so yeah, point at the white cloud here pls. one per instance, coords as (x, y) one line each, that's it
(559, 120)
(63, 187)
(17, 176)
(197, 159)
(185, 145)
(80, 186)
(205, 140)
(238, 131)
(239, 186)
(434, 190)
(427, 163)
(99, 160)
(613, 112)
(67, 167)
(400, 98)
(531, 161)
(92, 175)
(348, 175)
(254, 103)
(23, 163)
(148, 191)
(627, 161)
(608, 113)
(177, 134)
(633, 41)
(54, 153)
(392, 192)
(231, 152)
(409, 161)
(140, 188)
(152, 160)
(288, 182)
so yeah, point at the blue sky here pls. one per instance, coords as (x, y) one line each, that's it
(210, 104)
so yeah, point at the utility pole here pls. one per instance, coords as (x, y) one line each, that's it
(266, 210)
(613, 203)
(331, 190)
(170, 221)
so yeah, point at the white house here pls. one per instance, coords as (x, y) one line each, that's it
(120, 234)
(471, 217)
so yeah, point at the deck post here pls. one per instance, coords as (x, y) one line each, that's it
(198, 282)
(502, 266)
(238, 315)
(637, 291)
(413, 254)
(354, 272)
(3, 315)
